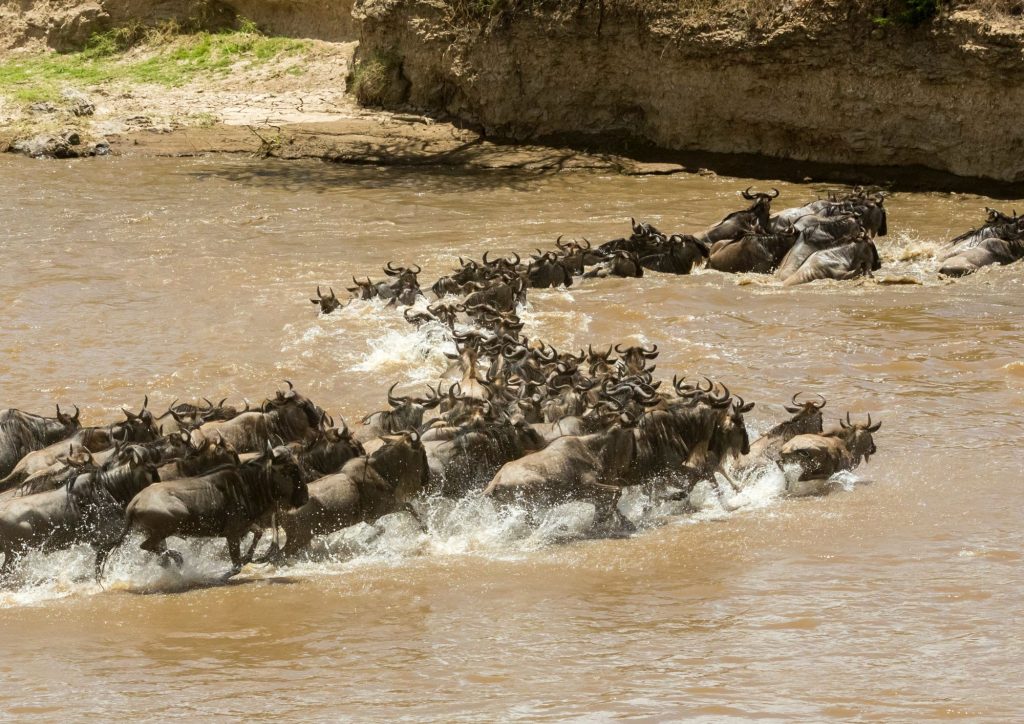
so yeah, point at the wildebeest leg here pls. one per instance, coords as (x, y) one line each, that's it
(157, 545)
(10, 559)
(257, 535)
(235, 551)
(728, 478)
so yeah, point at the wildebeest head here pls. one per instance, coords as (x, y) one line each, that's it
(329, 303)
(287, 484)
(137, 427)
(331, 449)
(634, 359)
(859, 437)
(994, 216)
(208, 454)
(644, 230)
(70, 422)
(806, 415)
(731, 437)
(284, 401)
(363, 290)
(403, 461)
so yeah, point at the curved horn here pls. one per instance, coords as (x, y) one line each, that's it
(774, 194)
(721, 400)
(746, 194)
(392, 400)
(650, 354)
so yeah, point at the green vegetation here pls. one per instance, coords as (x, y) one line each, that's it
(909, 12)
(377, 80)
(160, 56)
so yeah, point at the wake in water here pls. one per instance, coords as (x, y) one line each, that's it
(432, 526)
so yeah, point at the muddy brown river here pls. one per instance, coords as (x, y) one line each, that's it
(896, 597)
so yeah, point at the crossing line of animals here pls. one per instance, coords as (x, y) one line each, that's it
(830, 238)
(519, 421)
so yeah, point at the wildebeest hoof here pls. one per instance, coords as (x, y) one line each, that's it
(168, 557)
(273, 555)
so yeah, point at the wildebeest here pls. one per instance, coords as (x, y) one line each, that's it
(470, 458)
(822, 455)
(225, 503)
(816, 234)
(289, 417)
(546, 269)
(999, 241)
(406, 413)
(619, 263)
(807, 419)
(677, 254)
(23, 432)
(365, 489)
(403, 287)
(594, 467)
(986, 253)
(327, 304)
(739, 223)
(753, 253)
(137, 427)
(849, 260)
(89, 510)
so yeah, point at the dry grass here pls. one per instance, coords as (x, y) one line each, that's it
(998, 8)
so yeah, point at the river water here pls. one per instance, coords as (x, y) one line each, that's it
(896, 597)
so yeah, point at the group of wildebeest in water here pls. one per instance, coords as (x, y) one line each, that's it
(513, 419)
(830, 238)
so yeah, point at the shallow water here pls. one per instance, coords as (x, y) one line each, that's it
(896, 597)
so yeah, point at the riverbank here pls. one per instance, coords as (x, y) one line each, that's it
(238, 92)
(825, 92)
(816, 84)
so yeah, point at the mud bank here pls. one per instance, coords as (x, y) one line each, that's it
(819, 86)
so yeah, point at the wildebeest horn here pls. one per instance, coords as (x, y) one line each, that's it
(318, 294)
(721, 400)
(875, 427)
(417, 269)
(585, 242)
(618, 349)
(746, 194)
(774, 194)
(290, 385)
(650, 354)
(845, 423)
(129, 415)
(75, 416)
(711, 385)
(392, 400)
(486, 263)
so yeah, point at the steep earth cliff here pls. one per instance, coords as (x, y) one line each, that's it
(822, 82)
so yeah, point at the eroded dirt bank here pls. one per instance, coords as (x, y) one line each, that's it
(821, 83)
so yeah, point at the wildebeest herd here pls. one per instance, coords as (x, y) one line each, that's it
(512, 419)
